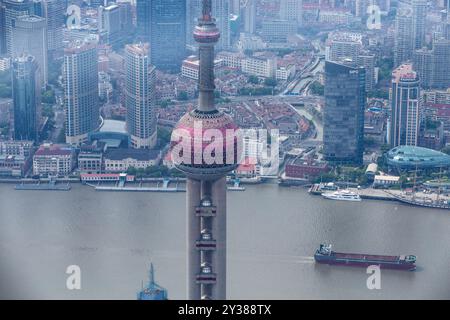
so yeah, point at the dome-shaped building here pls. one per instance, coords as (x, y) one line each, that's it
(406, 158)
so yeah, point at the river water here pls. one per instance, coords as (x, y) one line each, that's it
(272, 235)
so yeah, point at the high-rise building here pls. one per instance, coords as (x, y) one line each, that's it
(80, 91)
(406, 101)
(419, 9)
(441, 63)
(29, 36)
(424, 66)
(249, 14)
(140, 92)
(447, 21)
(221, 11)
(433, 65)
(292, 10)
(2, 30)
(345, 101)
(109, 23)
(404, 34)
(367, 61)
(54, 11)
(206, 182)
(167, 33)
(25, 92)
(344, 45)
(14, 9)
(143, 16)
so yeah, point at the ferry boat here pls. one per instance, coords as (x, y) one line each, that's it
(325, 255)
(342, 195)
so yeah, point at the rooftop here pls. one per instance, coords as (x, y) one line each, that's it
(138, 154)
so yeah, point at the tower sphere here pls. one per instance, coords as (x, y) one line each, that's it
(196, 132)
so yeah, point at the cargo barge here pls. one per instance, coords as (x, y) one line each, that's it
(325, 255)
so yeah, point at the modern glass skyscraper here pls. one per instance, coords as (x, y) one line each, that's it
(143, 15)
(2, 29)
(404, 34)
(54, 11)
(345, 101)
(419, 22)
(405, 118)
(14, 9)
(167, 33)
(25, 93)
(81, 91)
(29, 35)
(139, 100)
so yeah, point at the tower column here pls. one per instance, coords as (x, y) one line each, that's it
(193, 193)
(219, 230)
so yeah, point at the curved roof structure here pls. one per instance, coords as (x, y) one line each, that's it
(417, 157)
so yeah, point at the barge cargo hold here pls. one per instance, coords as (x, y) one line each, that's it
(325, 255)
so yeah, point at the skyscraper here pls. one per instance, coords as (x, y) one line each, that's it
(54, 11)
(447, 22)
(292, 10)
(249, 13)
(206, 182)
(25, 92)
(405, 117)
(167, 33)
(80, 91)
(419, 9)
(345, 101)
(404, 34)
(433, 66)
(29, 35)
(14, 9)
(221, 11)
(143, 16)
(139, 92)
(109, 23)
(2, 30)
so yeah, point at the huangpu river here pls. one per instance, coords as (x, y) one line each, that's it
(273, 233)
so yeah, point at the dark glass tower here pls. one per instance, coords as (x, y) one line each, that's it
(24, 87)
(345, 101)
(167, 33)
(143, 19)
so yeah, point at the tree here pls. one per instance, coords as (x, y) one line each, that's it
(48, 97)
(183, 96)
(317, 89)
(253, 79)
(270, 82)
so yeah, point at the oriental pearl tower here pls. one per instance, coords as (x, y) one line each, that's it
(206, 180)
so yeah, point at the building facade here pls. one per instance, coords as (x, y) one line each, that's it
(52, 159)
(29, 36)
(345, 101)
(140, 96)
(167, 21)
(25, 98)
(406, 104)
(81, 91)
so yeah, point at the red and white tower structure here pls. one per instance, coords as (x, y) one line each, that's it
(206, 181)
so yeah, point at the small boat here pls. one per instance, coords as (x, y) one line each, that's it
(325, 255)
(342, 195)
